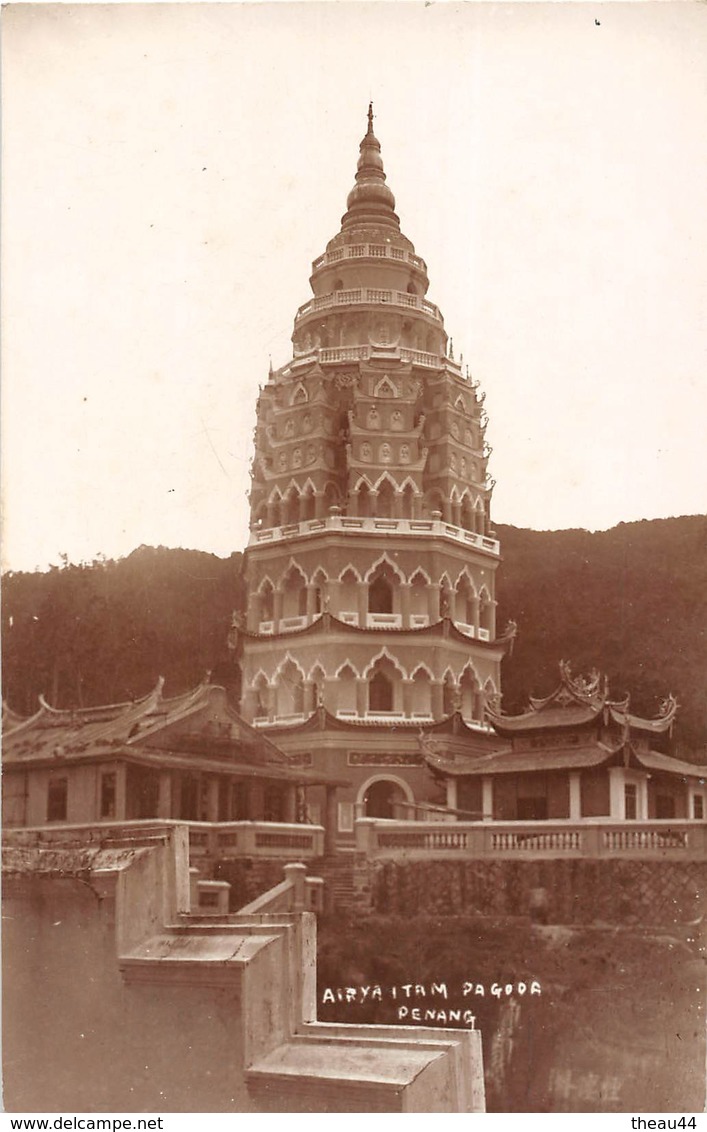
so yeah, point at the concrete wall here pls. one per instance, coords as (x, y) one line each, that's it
(116, 998)
(104, 1044)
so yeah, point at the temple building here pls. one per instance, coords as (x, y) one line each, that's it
(187, 757)
(370, 568)
(574, 754)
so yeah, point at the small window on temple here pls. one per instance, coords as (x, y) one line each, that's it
(631, 800)
(108, 792)
(57, 796)
(698, 806)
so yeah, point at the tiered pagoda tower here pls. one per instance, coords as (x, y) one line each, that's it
(370, 567)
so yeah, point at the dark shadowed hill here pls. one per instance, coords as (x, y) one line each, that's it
(631, 601)
(103, 633)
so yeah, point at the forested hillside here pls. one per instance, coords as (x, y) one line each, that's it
(631, 601)
(103, 633)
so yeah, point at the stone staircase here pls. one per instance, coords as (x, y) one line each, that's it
(337, 870)
(192, 1007)
(298, 1065)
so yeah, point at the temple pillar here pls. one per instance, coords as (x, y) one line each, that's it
(437, 699)
(361, 696)
(408, 696)
(311, 601)
(331, 601)
(121, 774)
(619, 779)
(277, 607)
(575, 780)
(212, 798)
(487, 797)
(271, 701)
(309, 700)
(404, 590)
(253, 615)
(452, 794)
(164, 797)
(433, 603)
(290, 802)
(362, 602)
(492, 620)
(475, 614)
(330, 820)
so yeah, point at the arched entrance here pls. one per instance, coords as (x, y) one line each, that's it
(381, 796)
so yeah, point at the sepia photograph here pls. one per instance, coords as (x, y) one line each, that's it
(354, 558)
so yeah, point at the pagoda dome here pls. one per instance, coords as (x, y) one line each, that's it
(370, 196)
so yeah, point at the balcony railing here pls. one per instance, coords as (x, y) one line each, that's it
(368, 295)
(426, 528)
(333, 354)
(254, 839)
(664, 839)
(220, 839)
(369, 251)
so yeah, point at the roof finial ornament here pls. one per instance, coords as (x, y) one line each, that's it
(370, 117)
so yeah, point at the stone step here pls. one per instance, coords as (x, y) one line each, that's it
(306, 1076)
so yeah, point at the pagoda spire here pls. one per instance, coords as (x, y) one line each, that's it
(370, 200)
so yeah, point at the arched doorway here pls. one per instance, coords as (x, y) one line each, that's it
(381, 797)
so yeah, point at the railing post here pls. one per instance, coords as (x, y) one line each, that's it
(592, 841)
(295, 874)
(365, 835)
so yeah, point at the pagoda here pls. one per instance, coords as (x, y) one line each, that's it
(370, 565)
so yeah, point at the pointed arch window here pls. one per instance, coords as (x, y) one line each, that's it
(469, 689)
(380, 593)
(309, 504)
(467, 516)
(345, 689)
(261, 694)
(384, 502)
(363, 500)
(449, 694)
(421, 693)
(294, 593)
(290, 690)
(380, 692)
(408, 502)
(267, 602)
(465, 601)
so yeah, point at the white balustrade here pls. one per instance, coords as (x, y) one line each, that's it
(368, 295)
(374, 524)
(384, 621)
(593, 838)
(370, 251)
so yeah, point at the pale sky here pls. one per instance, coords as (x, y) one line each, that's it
(170, 172)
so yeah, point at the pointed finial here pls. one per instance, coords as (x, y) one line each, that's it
(370, 117)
